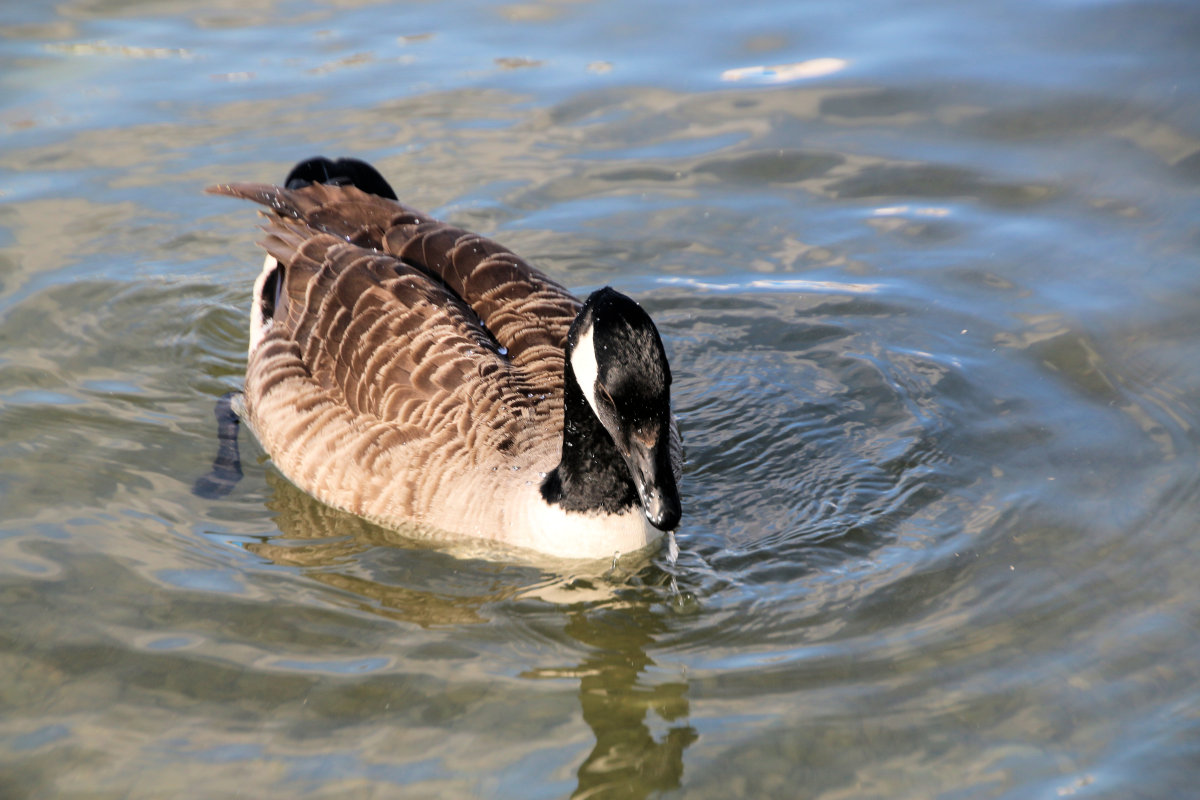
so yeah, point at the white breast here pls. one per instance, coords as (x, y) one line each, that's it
(566, 534)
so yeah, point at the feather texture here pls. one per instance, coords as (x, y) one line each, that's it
(409, 371)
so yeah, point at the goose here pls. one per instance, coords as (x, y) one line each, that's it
(415, 374)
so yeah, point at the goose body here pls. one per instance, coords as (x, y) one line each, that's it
(413, 373)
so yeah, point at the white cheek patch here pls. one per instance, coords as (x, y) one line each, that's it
(583, 363)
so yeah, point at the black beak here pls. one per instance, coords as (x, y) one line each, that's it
(650, 464)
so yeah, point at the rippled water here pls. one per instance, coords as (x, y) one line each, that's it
(931, 290)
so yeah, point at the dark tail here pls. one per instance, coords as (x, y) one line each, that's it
(343, 172)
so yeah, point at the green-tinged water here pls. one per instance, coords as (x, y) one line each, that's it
(931, 292)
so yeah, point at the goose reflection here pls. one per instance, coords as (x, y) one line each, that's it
(627, 760)
(614, 621)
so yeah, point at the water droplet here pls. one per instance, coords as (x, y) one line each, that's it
(503, 351)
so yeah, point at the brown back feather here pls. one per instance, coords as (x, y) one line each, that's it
(373, 310)
(526, 312)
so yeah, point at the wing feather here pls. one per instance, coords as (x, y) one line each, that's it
(526, 312)
(396, 342)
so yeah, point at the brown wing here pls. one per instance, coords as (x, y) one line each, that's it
(375, 386)
(527, 313)
(390, 343)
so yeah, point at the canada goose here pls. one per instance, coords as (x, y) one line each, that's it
(408, 372)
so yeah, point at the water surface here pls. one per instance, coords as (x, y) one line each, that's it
(929, 278)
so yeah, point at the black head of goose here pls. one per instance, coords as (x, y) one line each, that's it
(411, 372)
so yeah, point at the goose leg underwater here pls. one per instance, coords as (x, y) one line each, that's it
(410, 372)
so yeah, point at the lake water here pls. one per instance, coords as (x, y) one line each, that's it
(929, 276)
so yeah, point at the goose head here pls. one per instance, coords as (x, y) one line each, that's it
(619, 438)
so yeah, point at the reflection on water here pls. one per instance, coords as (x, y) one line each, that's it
(613, 630)
(933, 319)
(359, 558)
(627, 760)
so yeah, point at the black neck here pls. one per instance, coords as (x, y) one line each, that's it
(592, 475)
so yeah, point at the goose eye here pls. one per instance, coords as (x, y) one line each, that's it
(607, 397)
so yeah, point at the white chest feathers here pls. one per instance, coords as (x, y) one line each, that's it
(568, 534)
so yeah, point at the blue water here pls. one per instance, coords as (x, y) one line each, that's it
(929, 279)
